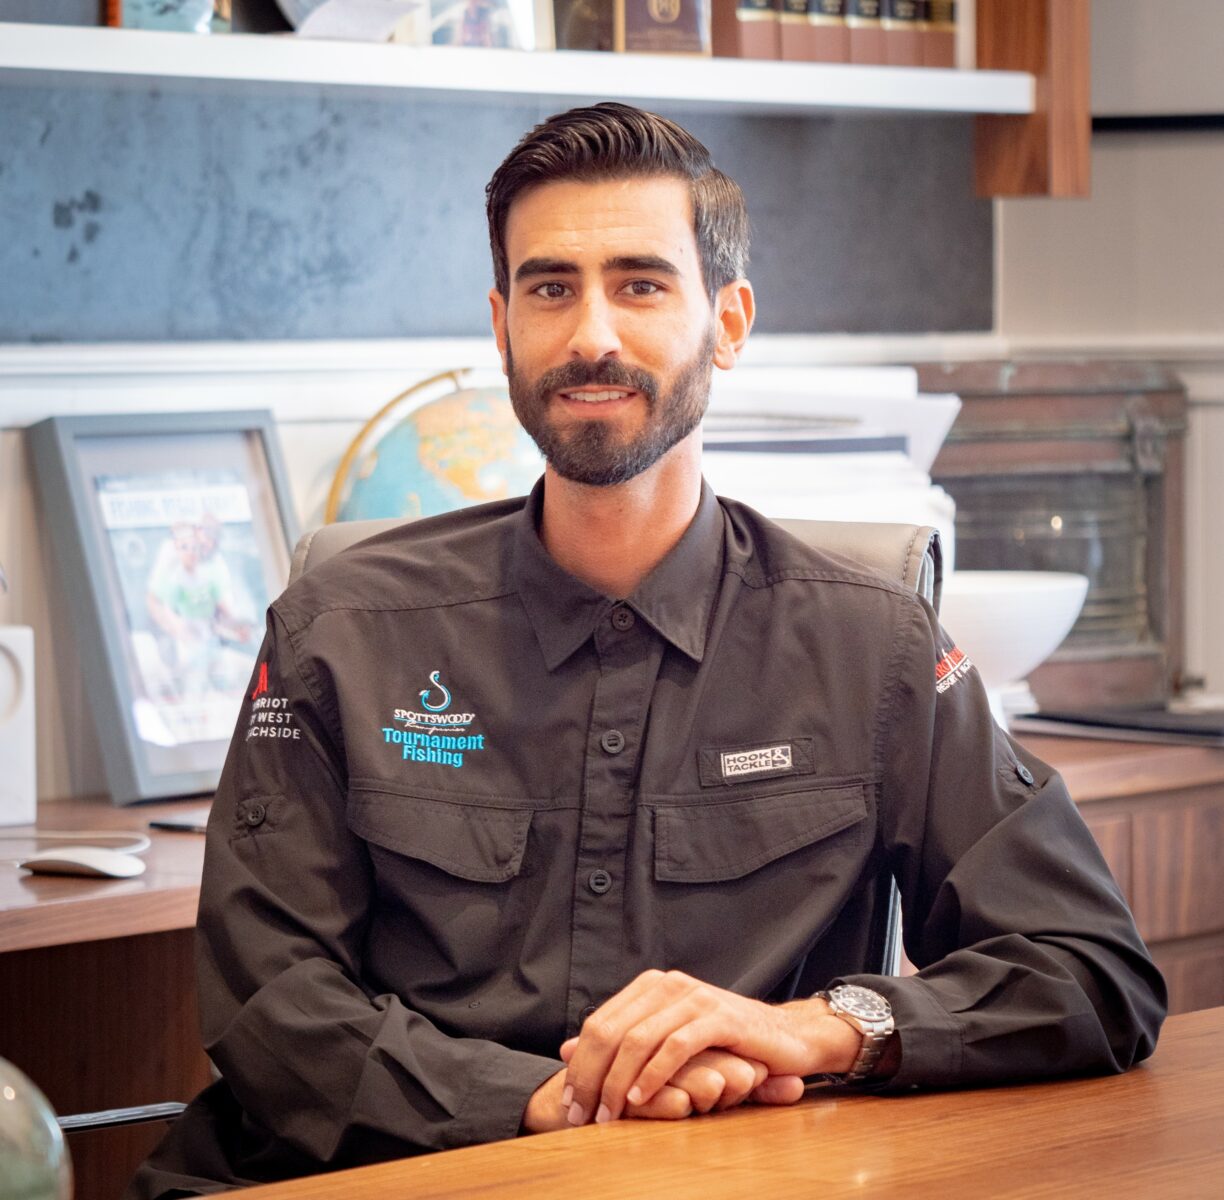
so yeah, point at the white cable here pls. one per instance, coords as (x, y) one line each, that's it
(134, 843)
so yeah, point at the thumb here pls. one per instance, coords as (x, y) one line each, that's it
(778, 1089)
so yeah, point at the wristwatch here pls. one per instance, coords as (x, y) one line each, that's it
(869, 1013)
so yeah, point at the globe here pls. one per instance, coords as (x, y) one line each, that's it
(463, 448)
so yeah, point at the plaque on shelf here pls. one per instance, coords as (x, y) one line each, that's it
(663, 26)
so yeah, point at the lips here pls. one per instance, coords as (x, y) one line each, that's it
(597, 395)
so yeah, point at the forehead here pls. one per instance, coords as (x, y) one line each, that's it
(580, 220)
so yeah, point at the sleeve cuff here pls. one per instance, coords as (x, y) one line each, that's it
(931, 1045)
(500, 1088)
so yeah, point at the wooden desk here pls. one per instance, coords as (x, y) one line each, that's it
(97, 985)
(1153, 1132)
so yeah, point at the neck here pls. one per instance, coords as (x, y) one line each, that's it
(613, 537)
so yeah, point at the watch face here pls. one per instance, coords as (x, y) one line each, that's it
(861, 1002)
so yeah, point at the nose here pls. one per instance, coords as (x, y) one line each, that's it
(594, 335)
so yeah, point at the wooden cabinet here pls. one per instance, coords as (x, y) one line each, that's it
(1157, 812)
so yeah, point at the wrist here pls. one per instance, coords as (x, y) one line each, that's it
(831, 1044)
(543, 1112)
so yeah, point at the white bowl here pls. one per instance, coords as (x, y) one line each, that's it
(1010, 622)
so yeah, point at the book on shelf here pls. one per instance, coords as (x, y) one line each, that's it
(903, 24)
(746, 28)
(1174, 725)
(939, 36)
(865, 20)
(813, 31)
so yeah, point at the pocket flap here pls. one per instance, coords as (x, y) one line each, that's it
(707, 843)
(470, 841)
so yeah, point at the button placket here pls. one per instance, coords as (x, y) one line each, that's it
(628, 666)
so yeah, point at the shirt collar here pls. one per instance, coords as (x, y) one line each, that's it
(675, 599)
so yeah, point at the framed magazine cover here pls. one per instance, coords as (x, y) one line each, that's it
(172, 534)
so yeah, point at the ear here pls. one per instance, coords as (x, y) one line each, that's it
(734, 311)
(497, 302)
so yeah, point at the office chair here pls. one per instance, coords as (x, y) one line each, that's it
(906, 554)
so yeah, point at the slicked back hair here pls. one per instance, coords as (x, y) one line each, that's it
(617, 141)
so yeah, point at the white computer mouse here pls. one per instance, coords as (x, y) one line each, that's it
(95, 861)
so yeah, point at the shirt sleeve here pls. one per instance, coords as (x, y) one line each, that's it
(1030, 964)
(314, 1052)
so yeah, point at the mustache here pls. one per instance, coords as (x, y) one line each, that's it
(607, 373)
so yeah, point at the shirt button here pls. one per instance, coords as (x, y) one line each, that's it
(599, 881)
(613, 741)
(1024, 773)
(622, 618)
(255, 814)
(586, 1013)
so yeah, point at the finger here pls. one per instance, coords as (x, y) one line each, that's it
(603, 1036)
(778, 1089)
(704, 1085)
(669, 1104)
(687, 1028)
(740, 1077)
(663, 1041)
(567, 1049)
(743, 1078)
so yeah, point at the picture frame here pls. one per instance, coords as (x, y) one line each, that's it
(172, 533)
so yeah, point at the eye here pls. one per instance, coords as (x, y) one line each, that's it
(642, 287)
(551, 290)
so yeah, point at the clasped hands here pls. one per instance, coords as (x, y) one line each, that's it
(669, 1045)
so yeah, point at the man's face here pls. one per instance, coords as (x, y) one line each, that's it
(607, 336)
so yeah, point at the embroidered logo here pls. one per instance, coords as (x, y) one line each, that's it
(261, 685)
(270, 716)
(432, 733)
(753, 762)
(950, 669)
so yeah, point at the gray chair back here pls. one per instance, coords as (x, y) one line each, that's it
(909, 554)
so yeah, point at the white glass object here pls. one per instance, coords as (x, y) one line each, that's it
(34, 1162)
(1010, 622)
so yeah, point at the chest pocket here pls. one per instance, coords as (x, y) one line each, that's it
(470, 841)
(708, 843)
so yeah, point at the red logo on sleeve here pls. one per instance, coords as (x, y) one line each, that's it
(261, 684)
(954, 666)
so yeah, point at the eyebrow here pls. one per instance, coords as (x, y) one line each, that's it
(533, 267)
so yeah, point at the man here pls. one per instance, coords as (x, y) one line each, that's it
(588, 794)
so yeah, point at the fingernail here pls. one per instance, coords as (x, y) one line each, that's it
(576, 1116)
(635, 1095)
(603, 1115)
(567, 1096)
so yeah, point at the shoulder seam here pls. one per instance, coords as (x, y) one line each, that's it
(316, 613)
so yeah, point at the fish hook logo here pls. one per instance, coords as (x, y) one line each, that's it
(436, 680)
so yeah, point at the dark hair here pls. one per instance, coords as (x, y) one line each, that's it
(616, 141)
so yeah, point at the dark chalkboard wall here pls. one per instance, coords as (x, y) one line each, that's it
(138, 213)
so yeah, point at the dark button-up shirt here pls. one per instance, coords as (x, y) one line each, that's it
(470, 798)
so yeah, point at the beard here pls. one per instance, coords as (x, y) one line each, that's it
(595, 452)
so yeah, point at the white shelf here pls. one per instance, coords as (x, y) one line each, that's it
(60, 55)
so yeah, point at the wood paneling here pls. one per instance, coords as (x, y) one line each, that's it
(1153, 1132)
(105, 1024)
(97, 987)
(1179, 879)
(1047, 153)
(1113, 835)
(1194, 973)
